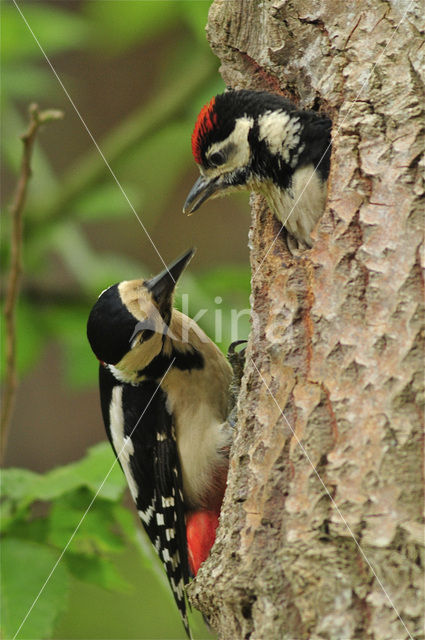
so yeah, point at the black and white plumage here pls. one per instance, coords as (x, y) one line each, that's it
(260, 141)
(164, 397)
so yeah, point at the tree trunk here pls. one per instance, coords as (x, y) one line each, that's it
(320, 533)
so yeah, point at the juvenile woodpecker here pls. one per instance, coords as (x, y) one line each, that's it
(164, 391)
(260, 141)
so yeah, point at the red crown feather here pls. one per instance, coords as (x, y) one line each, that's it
(206, 121)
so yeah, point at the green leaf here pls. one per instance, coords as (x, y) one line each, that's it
(7, 514)
(89, 524)
(96, 570)
(56, 30)
(29, 527)
(16, 484)
(98, 471)
(25, 568)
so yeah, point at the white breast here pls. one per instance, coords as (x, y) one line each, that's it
(299, 207)
(199, 405)
(200, 438)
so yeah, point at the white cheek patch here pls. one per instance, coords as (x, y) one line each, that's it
(146, 516)
(238, 139)
(280, 132)
(117, 373)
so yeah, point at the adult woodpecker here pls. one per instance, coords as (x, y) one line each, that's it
(164, 390)
(260, 141)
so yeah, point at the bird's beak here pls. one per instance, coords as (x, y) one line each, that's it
(162, 285)
(203, 189)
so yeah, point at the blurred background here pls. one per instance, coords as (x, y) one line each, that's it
(138, 72)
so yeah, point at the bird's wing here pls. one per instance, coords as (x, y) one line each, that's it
(151, 464)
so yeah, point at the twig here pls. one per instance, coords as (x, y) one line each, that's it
(37, 118)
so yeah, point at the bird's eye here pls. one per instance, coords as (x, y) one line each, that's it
(140, 334)
(217, 158)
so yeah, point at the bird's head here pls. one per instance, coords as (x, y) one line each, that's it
(128, 324)
(242, 140)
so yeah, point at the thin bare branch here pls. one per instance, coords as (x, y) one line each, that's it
(37, 118)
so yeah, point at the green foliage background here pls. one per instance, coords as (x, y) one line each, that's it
(108, 583)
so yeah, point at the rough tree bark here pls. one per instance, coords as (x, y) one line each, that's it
(337, 338)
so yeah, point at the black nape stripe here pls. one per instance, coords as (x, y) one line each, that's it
(183, 361)
(188, 360)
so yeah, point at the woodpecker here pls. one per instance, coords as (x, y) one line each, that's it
(164, 391)
(261, 142)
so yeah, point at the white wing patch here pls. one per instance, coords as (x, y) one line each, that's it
(122, 444)
(166, 555)
(175, 560)
(146, 516)
(280, 132)
(177, 588)
(167, 502)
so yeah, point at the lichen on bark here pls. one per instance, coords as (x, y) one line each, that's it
(321, 532)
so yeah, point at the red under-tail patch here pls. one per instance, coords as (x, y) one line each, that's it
(206, 121)
(200, 531)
